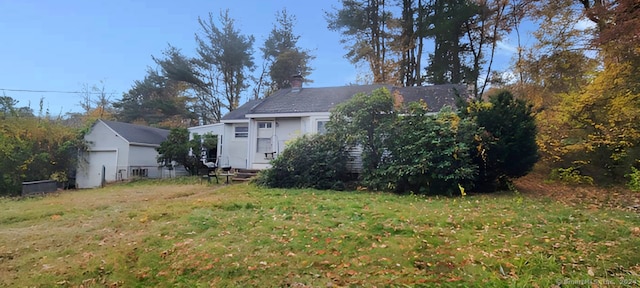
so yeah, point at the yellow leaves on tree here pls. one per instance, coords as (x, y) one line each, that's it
(609, 110)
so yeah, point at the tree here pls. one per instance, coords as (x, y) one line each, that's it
(446, 21)
(604, 120)
(409, 43)
(363, 24)
(285, 58)
(200, 84)
(483, 32)
(229, 53)
(176, 149)
(405, 148)
(623, 28)
(508, 149)
(7, 106)
(96, 102)
(219, 74)
(156, 100)
(581, 83)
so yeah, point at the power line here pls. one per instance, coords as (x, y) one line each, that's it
(52, 91)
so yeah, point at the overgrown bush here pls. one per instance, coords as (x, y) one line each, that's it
(177, 146)
(507, 148)
(34, 148)
(634, 179)
(316, 161)
(366, 120)
(430, 154)
(571, 175)
(405, 149)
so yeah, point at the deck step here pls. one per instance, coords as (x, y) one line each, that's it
(245, 174)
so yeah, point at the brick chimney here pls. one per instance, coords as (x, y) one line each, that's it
(296, 83)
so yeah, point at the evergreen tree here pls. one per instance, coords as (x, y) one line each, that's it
(446, 25)
(509, 148)
(157, 101)
(284, 56)
(229, 54)
(220, 73)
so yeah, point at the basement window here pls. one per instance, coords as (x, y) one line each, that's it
(140, 172)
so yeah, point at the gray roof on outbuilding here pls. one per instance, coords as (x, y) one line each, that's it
(307, 100)
(138, 133)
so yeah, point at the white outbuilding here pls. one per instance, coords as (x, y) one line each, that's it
(118, 151)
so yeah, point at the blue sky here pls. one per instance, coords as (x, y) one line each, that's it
(63, 45)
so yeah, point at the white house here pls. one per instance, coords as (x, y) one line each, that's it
(250, 136)
(118, 151)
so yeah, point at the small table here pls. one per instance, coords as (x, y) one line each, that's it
(227, 174)
(208, 174)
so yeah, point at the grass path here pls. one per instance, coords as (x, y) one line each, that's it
(183, 234)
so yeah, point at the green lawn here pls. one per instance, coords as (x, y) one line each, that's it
(186, 234)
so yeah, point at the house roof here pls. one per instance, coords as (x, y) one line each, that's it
(308, 100)
(138, 133)
(436, 96)
(245, 109)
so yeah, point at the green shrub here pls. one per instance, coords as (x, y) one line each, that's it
(404, 148)
(507, 148)
(571, 175)
(429, 155)
(316, 161)
(366, 120)
(634, 179)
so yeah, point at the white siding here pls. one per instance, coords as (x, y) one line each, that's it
(287, 129)
(91, 175)
(231, 150)
(234, 150)
(143, 157)
(215, 129)
(110, 150)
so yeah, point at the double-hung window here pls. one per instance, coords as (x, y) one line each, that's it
(241, 131)
(322, 127)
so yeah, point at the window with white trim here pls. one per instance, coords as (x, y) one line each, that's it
(322, 127)
(264, 145)
(263, 125)
(241, 131)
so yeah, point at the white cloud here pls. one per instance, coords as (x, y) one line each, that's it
(507, 47)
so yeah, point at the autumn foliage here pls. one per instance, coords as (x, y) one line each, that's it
(33, 148)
